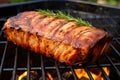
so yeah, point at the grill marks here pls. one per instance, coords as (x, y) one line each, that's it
(54, 28)
(23, 21)
(55, 37)
(57, 29)
(40, 27)
(63, 31)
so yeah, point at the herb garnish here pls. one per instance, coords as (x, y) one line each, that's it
(68, 17)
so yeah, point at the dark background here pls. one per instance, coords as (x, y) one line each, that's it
(103, 2)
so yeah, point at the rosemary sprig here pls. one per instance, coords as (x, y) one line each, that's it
(68, 17)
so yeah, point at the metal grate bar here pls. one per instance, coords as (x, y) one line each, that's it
(15, 64)
(3, 58)
(3, 19)
(73, 73)
(117, 41)
(61, 67)
(28, 65)
(103, 65)
(3, 42)
(103, 72)
(42, 67)
(111, 24)
(116, 51)
(0, 33)
(114, 22)
(88, 73)
(112, 64)
(58, 72)
(102, 22)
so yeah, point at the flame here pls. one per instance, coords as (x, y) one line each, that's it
(81, 73)
(22, 75)
(49, 76)
(25, 74)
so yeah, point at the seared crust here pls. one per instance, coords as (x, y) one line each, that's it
(56, 38)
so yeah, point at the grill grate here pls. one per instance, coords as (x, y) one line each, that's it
(15, 60)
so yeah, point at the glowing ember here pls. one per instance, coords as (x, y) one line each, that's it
(96, 74)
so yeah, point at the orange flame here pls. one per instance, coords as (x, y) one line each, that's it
(81, 73)
(22, 75)
(49, 76)
(25, 74)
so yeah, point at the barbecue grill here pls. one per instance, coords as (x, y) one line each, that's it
(15, 61)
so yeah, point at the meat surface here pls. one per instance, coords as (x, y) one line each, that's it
(57, 38)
